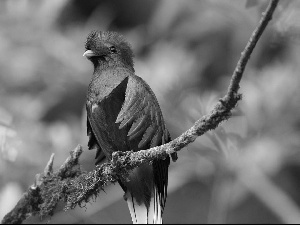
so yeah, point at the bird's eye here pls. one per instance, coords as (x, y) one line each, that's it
(113, 49)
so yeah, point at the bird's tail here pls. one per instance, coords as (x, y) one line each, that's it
(140, 214)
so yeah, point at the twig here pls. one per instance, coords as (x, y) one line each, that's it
(241, 65)
(32, 201)
(78, 187)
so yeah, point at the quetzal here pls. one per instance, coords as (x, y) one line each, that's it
(123, 114)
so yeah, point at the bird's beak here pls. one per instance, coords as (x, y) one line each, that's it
(89, 54)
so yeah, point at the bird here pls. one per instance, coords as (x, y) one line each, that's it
(123, 114)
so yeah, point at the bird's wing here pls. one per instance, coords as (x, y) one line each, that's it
(93, 144)
(142, 113)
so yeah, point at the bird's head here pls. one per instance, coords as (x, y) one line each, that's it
(108, 49)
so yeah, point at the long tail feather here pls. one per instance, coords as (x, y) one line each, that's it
(141, 215)
(155, 210)
(138, 212)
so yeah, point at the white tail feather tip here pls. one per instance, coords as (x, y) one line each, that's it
(140, 214)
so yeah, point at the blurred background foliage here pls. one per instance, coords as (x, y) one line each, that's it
(245, 171)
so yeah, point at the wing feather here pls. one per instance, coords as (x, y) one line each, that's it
(142, 113)
(140, 125)
(145, 140)
(93, 144)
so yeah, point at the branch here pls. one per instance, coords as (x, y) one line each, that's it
(76, 187)
(35, 201)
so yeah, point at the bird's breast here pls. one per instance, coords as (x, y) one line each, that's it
(105, 105)
(104, 83)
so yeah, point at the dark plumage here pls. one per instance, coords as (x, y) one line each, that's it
(123, 114)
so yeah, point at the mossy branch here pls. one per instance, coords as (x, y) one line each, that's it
(42, 197)
(76, 187)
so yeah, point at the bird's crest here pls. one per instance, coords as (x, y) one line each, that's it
(96, 38)
(106, 36)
